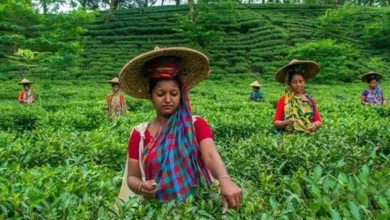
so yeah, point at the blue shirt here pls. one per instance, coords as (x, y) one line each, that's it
(256, 96)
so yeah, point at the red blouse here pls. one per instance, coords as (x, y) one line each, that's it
(279, 115)
(202, 131)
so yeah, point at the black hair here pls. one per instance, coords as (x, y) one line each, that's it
(370, 78)
(153, 83)
(114, 84)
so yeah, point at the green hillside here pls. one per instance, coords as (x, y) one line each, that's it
(258, 41)
(60, 158)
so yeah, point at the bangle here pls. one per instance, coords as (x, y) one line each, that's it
(139, 188)
(223, 176)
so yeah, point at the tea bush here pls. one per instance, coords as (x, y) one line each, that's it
(61, 158)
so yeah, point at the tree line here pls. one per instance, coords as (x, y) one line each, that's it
(52, 6)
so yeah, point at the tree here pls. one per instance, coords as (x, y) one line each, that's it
(15, 28)
(29, 37)
(191, 6)
(49, 5)
(382, 3)
(145, 3)
(89, 4)
(114, 5)
(201, 23)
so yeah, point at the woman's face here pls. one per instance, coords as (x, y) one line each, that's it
(297, 83)
(256, 89)
(166, 97)
(373, 84)
(115, 88)
(26, 87)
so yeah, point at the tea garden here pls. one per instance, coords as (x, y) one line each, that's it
(62, 158)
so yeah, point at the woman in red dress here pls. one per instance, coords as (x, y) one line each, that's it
(172, 155)
(26, 96)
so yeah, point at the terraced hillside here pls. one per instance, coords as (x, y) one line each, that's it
(256, 42)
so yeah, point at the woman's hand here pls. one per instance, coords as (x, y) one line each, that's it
(290, 121)
(231, 194)
(148, 189)
(313, 127)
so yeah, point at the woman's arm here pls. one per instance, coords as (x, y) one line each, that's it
(147, 189)
(133, 170)
(384, 100)
(231, 193)
(282, 124)
(279, 121)
(124, 105)
(317, 122)
(362, 98)
(133, 175)
(106, 106)
(20, 97)
(315, 125)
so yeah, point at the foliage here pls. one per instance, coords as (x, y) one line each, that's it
(360, 22)
(88, 4)
(200, 25)
(256, 41)
(336, 60)
(61, 158)
(378, 33)
(369, 3)
(41, 41)
(49, 6)
(25, 58)
(377, 64)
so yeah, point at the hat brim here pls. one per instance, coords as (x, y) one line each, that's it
(366, 75)
(25, 83)
(194, 67)
(312, 69)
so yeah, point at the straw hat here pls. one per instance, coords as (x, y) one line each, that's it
(194, 67)
(312, 69)
(114, 80)
(365, 76)
(24, 81)
(255, 84)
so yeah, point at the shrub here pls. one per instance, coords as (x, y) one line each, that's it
(378, 34)
(332, 57)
